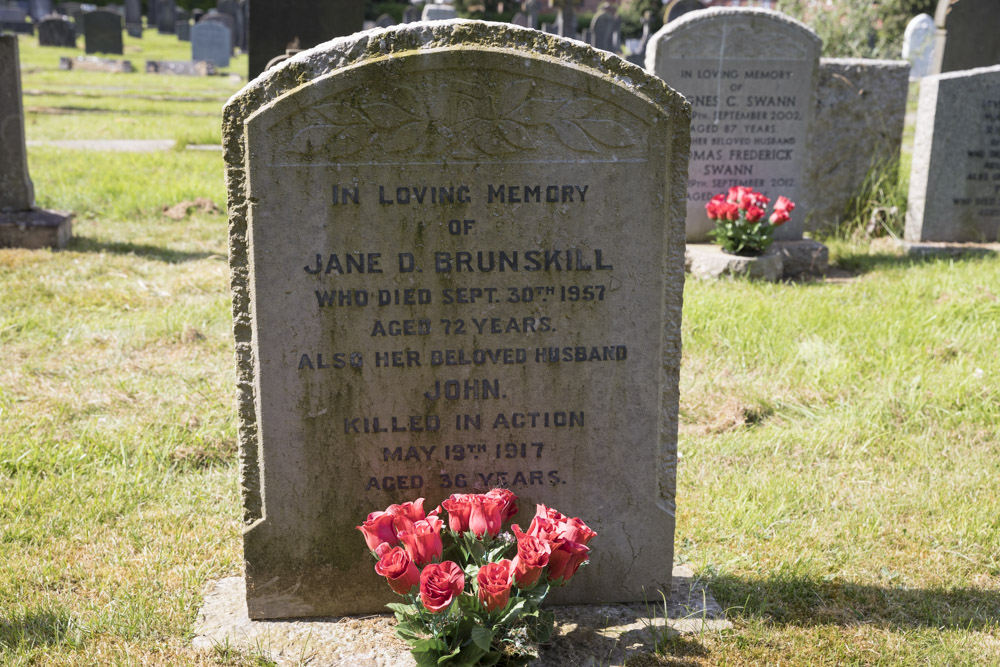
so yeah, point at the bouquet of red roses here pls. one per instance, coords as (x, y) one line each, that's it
(740, 226)
(475, 601)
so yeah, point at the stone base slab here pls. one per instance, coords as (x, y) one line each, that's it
(934, 248)
(615, 632)
(35, 229)
(784, 259)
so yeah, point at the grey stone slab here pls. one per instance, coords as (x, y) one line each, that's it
(750, 75)
(967, 35)
(56, 31)
(918, 45)
(801, 258)
(413, 149)
(617, 632)
(35, 229)
(180, 67)
(857, 125)
(95, 64)
(709, 262)
(955, 172)
(940, 249)
(274, 26)
(16, 190)
(211, 41)
(102, 32)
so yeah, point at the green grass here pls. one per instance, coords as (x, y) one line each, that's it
(840, 441)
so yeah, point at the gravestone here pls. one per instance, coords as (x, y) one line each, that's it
(231, 9)
(750, 75)
(183, 31)
(133, 12)
(602, 28)
(918, 45)
(21, 225)
(102, 32)
(566, 25)
(678, 8)
(430, 157)
(385, 21)
(224, 19)
(955, 173)
(39, 9)
(411, 14)
(56, 31)
(166, 16)
(211, 41)
(274, 26)
(859, 103)
(966, 35)
(532, 9)
(13, 14)
(521, 19)
(434, 11)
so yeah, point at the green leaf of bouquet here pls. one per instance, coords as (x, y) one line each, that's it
(400, 608)
(512, 613)
(425, 658)
(482, 637)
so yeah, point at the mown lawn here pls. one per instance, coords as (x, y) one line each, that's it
(840, 440)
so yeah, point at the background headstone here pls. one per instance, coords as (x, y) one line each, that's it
(579, 162)
(955, 174)
(133, 12)
(232, 9)
(750, 75)
(166, 16)
(918, 45)
(566, 23)
(521, 19)
(273, 26)
(678, 8)
(532, 9)
(102, 32)
(437, 12)
(411, 14)
(56, 31)
(183, 31)
(602, 28)
(211, 41)
(857, 124)
(384, 21)
(16, 190)
(966, 35)
(40, 9)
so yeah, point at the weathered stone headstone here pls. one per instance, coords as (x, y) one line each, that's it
(384, 21)
(40, 9)
(133, 11)
(602, 28)
(274, 26)
(166, 16)
(56, 31)
(231, 9)
(211, 41)
(859, 103)
(183, 31)
(918, 45)
(750, 75)
(532, 9)
(437, 11)
(21, 224)
(678, 8)
(224, 19)
(566, 24)
(966, 35)
(102, 32)
(411, 14)
(955, 173)
(521, 19)
(513, 215)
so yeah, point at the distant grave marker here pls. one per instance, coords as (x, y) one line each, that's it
(750, 75)
(456, 264)
(918, 45)
(967, 33)
(955, 174)
(56, 31)
(211, 41)
(102, 32)
(166, 16)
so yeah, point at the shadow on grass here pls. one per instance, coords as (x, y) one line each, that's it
(804, 601)
(84, 244)
(863, 262)
(39, 628)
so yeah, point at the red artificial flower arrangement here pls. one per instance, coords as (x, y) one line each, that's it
(740, 226)
(468, 603)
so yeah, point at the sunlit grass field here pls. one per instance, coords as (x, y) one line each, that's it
(840, 440)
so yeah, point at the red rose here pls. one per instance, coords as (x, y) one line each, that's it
(544, 529)
(440, 584)
(509, 502)
(779, 217)
(566, 558)
(736, 194)
(754, 214)
(459, 509)
(486, 516)
(494, 584)
(784, 204)
(716, 207)
(423, 540)
(575, 530)
(731, 212)
(532, 557)
(397, 567)
(378, 529)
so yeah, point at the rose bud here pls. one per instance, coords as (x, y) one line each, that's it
(487, 515)
(459, 509)
(779, 217)
(575, 530)
(423, 542)
(510, 502)
(566, 558)
(532, 557)
(784, 204)
(754, 213)
(440, 584)
(494, 585)
(378, 529)
(398, 569)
